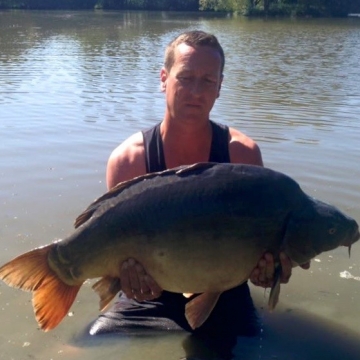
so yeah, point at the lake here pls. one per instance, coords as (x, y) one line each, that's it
(73, 85)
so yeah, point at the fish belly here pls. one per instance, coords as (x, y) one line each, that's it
(201, 267)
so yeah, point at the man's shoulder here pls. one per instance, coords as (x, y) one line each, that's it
(237, 136)
(243, 149)
(127, 160)
(133, 145)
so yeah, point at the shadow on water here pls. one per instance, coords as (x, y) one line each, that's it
(287, 335)
(299, 335)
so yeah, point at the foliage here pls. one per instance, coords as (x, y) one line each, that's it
(284, 7)
(185, 5)
(46, 4)
(240, 6)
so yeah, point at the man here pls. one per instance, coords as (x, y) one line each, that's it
(191, 80)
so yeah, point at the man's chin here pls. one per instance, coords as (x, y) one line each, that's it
(192, 109)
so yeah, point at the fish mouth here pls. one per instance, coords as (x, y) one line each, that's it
(357, 235)
(352, 240)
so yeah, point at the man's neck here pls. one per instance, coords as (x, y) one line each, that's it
(185, 142)
(185, 128)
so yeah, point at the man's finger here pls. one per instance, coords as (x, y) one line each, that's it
(144, 288)
(262, 271)
(270, 268)
(254, 276)
(125, 280)
(133, 276)
(155, 289)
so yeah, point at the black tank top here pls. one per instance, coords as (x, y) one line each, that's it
(235, 307)
(154, 152)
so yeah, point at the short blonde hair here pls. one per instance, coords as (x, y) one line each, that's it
(193, 38)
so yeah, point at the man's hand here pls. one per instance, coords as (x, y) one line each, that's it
(136, 283)
(263, 274)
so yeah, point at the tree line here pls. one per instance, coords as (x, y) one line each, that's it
(183, 5)
(314, 8)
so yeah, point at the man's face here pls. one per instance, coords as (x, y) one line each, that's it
(193, 83)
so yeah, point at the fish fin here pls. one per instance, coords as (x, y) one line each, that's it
(107, 287)
(275, 289)
(27, 271)
(113, 193)
(188, 295)
(95, 205)
(120, 187)
(52, 298)
(198, 309)
(200, 165)
(52, 301)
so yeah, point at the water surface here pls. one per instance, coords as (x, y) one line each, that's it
(73, 85)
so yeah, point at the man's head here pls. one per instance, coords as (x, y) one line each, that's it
(194, 39)
(192, 75)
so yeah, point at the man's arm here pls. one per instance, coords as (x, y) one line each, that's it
(126, 162)
(245, 151)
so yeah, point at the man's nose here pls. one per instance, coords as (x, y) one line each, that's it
(197, 87)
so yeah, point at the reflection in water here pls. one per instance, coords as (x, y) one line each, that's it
(75, 84)
(287, 335)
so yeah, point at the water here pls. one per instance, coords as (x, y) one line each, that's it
(73, 85)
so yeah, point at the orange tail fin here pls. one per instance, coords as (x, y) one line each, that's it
(52, 298)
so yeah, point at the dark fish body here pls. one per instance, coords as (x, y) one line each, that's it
(195, 229)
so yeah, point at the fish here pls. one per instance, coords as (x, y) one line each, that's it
(196, 229)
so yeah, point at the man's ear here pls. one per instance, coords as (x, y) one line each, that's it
(221, 79)
(163, 78)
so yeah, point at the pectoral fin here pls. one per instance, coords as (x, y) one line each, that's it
(107, 287)
(275, 289)
(198, 309)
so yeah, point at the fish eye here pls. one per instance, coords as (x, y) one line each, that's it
(332, 231)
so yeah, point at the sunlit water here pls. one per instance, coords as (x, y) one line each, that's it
(74, 85)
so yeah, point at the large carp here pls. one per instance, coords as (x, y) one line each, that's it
(196, 229)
